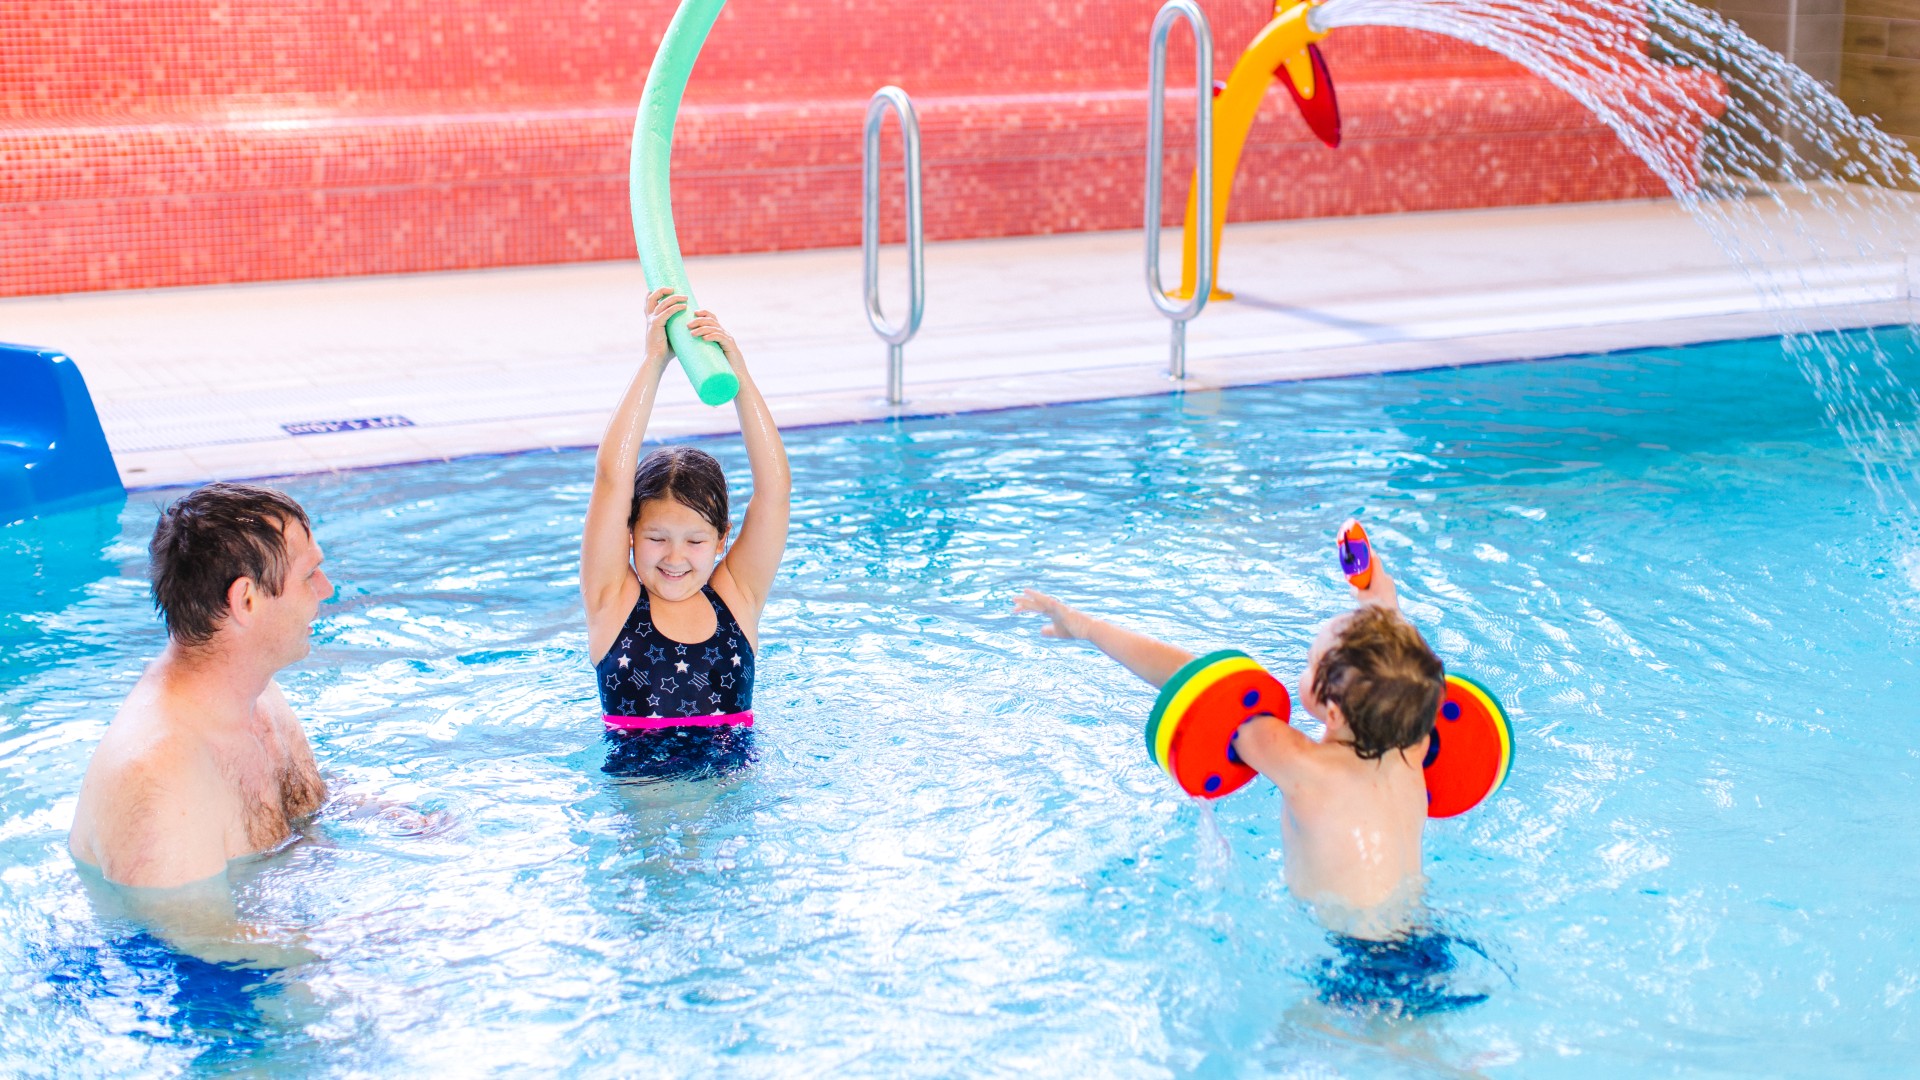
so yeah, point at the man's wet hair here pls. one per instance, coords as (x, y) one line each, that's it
(211, 537)
(689, 476)
(1386, 680)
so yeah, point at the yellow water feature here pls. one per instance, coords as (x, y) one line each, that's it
(1281, 45)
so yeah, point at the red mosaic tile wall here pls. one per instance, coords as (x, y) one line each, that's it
(172, 142)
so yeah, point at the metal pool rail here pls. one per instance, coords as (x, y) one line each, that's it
(1181, 314)
(896, 337)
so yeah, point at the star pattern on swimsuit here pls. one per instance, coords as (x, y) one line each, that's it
(651, 673)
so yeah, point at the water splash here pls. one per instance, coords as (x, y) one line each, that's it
(1214, 860)
(1798, 190)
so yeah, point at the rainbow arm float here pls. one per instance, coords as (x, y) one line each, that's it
(1284, 45)
(648, 169)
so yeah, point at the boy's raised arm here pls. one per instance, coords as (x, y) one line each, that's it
(1381, 591)
(1151, 659)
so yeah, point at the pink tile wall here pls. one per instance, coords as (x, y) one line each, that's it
(167, 142)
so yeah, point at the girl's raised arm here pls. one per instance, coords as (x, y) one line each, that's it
(606, 549)
(755, 556)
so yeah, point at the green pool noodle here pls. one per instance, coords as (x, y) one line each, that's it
(705, 364)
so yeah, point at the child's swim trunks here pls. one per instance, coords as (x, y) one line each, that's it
(1403, 976)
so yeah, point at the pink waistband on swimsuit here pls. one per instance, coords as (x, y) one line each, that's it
(651, 723)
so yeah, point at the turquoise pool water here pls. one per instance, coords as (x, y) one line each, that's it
(953, 855)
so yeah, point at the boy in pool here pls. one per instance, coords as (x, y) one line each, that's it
(673, 612)
(1355, 801)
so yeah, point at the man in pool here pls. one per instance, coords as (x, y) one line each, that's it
(1356, 800)
(205, 761)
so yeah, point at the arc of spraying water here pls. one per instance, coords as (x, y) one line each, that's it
(1771, 131)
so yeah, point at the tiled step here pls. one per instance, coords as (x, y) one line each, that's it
(118, 206)
(174, 143)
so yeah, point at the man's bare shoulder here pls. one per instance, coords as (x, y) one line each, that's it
(148, 762)
(143, 815)
(147, 742)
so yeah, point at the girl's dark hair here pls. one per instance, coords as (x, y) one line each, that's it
(211, 537)
(1385, 679)
(688, 476)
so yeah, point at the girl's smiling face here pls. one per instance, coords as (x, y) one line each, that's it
(674, 549)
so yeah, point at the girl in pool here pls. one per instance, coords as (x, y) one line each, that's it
(673, 611)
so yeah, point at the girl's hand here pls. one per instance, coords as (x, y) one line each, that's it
(1068, 624)
(707, 328)
(662, 304)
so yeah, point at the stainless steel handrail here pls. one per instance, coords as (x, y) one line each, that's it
(1181, 314)
(896, 337)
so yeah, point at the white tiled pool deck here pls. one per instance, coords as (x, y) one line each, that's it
(196, 384)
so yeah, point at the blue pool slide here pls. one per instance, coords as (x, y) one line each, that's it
(53, 455)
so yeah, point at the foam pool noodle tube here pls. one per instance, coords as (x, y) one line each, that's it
(648, 175)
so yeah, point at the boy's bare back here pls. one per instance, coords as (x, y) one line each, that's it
(1352, 828)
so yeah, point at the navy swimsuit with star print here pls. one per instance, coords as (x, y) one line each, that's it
(648, 680)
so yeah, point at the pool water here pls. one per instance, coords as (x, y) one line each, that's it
(952, 855)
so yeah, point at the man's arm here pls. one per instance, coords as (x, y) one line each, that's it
(1149, 658)
(155, 829)
(199, 919)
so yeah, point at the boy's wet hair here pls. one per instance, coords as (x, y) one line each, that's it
(1386, 680)
(210, 538)
(687, 475)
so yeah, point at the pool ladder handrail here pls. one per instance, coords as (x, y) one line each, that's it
(896, 337)
(1171, 12)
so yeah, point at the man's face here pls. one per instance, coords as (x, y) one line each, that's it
(284, 623)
